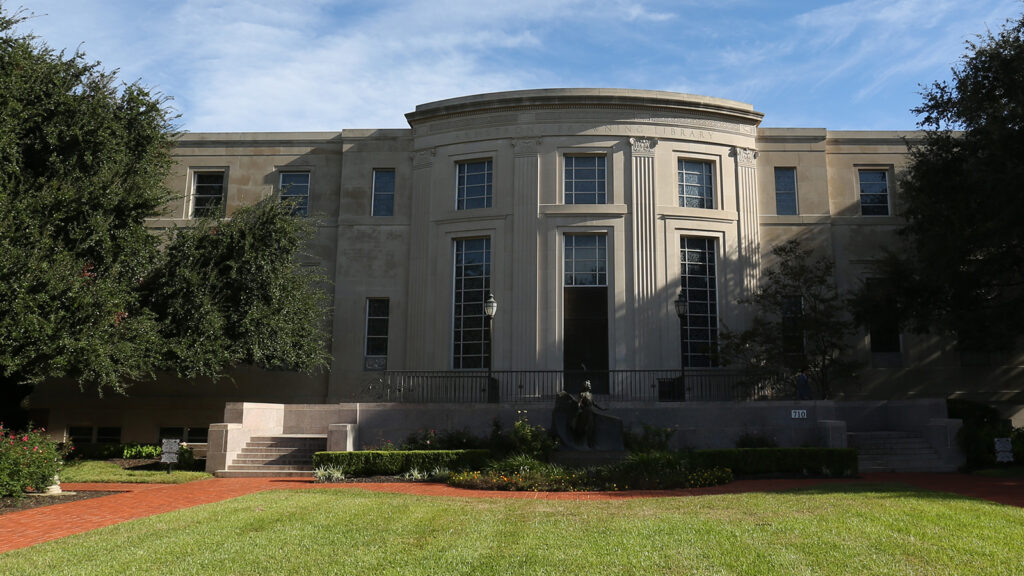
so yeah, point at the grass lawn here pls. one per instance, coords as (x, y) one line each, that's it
(104, 471)
(862, 529)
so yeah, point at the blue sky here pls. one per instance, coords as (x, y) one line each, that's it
(325, 65)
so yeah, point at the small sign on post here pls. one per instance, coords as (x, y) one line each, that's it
(170, 447)
(1004, 450)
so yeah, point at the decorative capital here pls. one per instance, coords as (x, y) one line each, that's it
(526, 146)
(643, 146)
(745, 156)
(423, 158)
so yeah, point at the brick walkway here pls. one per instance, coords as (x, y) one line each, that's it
(37, 525)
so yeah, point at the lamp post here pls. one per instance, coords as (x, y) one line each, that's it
(490, 309)
(682, 310)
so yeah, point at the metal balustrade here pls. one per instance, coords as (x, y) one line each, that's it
(526, 386)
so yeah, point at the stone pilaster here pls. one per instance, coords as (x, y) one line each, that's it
(522, 315)
(418, 323)
(749, 237)
(642, 247)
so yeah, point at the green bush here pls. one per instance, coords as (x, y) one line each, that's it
(28, 461)
(443, 440)
(524, 438)
(649, 470)
(140, 451)
(93, 451)
(982, 424)
(801, 461)
(394, 462)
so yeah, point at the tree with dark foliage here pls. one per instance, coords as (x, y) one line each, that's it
(961, 271)
(86, 291)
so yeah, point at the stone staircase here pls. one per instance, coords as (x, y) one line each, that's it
(282, 455)
(893, 451)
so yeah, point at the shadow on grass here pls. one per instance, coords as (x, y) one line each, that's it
(888, 489)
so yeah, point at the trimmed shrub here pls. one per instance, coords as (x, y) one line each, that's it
(28, 461)
(394, 462)
(802, 461)
(443, 440)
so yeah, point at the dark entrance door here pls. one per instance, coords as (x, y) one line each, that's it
(585, 354)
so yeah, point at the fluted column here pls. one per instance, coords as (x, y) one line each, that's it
(749, 241)
(523, 311)
(642, 248)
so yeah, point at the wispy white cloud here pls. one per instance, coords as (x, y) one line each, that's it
(253, 65)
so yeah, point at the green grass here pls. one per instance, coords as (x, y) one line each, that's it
(102, 471)
(841, 529)
(1016, 471)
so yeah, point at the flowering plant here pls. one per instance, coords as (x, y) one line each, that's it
(28, 461)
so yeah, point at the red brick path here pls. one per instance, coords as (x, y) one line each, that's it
(37, 525)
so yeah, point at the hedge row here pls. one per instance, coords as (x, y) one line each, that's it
(392, 462)
(805, 461)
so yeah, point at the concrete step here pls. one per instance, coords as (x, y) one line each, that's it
(271, 467)
(243, 461)
(296, 474)
(262, 450)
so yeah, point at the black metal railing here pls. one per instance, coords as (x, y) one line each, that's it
(525, 386)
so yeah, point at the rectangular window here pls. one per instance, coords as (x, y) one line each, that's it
(472, 275)
(586, 260)
(584, 180)
(295, 191)
(200, 435)
(699, 285)
(874, 192)
(696, 185)
(383, 193)
(793, 332)
(376, 351)
(207, 194)
(108, 434)
(80, 434)
(785, 191)
(473, 184)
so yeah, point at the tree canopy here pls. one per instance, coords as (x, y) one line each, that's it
(86, 291)
(799, 322)
(962, 268)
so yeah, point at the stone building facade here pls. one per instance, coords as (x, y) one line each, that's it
(582, 211)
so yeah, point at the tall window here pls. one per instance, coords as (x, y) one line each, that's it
(207, 194)
(696, 186)
(470, 344)
(884, 321)
(295, 191)
(874, 192)
(699, 284)
(383, 193)
(473, 184)
(785, 191)
(793, 332)
(586, 260)
(376, 351)
(585, 180)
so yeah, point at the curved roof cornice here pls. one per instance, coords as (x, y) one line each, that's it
(670, 102)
